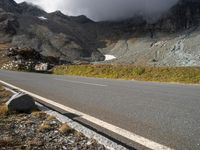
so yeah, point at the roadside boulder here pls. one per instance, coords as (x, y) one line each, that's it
(21, 102)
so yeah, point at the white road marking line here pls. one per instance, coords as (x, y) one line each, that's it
(122, 132)
(8, 89)
(87, 83)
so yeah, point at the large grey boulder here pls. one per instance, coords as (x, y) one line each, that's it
(21, 102)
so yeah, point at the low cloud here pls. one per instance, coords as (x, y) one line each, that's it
(99, 10)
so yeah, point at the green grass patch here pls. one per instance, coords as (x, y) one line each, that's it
(129, 72)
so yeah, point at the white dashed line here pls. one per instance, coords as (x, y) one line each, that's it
(79, 82)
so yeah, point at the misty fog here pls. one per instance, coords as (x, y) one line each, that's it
(99, 10)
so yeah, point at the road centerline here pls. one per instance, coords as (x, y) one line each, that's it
(80, 82)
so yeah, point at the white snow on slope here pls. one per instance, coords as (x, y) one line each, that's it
(109, 57)
(42, 18)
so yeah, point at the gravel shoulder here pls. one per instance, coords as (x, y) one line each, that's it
(38, 130)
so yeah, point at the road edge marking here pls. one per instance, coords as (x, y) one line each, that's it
(80, 82)
(122, 132)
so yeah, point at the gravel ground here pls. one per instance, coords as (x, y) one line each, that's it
(38, 130)
(29, 131)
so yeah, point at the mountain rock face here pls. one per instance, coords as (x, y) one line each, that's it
(184, 15)
(31, 10)
(10, 6)
(173, 40)
(53, 34)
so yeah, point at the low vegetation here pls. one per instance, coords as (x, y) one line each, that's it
(129, 72)
(4, 95)
(3, 110)
(65, 129)
(44, 127)
(38, 114)
(50, 118)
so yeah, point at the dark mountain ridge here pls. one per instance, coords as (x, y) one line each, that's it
(10, 6)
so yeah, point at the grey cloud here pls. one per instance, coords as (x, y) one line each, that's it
(107, 9)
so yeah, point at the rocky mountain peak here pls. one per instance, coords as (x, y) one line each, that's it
(81, 19)
(58, 13)
(184, 15)
(31, 9)
(10, 6)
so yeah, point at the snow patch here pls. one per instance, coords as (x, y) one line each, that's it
(42, 18)
(109, 57)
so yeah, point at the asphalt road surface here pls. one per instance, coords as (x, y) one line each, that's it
(165, 113)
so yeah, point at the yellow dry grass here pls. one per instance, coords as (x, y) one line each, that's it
(130, 72)
(65, 129)
(50, 118)
(39, 114)
(44, 127)
(3, 110)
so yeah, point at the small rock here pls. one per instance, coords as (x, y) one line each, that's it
(90, 142)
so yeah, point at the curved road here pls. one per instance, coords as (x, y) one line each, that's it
(165, 113)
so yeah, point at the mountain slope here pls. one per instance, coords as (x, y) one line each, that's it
(51, 34)
(173, 40)
(10, 6)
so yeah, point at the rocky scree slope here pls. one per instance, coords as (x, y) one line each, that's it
(172, 40)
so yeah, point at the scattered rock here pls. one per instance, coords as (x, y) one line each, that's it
(97, 56)
(42, 67)
(28, 59)
(24, 131)
(78, 62)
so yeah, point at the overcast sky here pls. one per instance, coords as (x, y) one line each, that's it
(106, 9)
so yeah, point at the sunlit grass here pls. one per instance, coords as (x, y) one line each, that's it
(3, 110)
(130, 72)
(65, 129)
